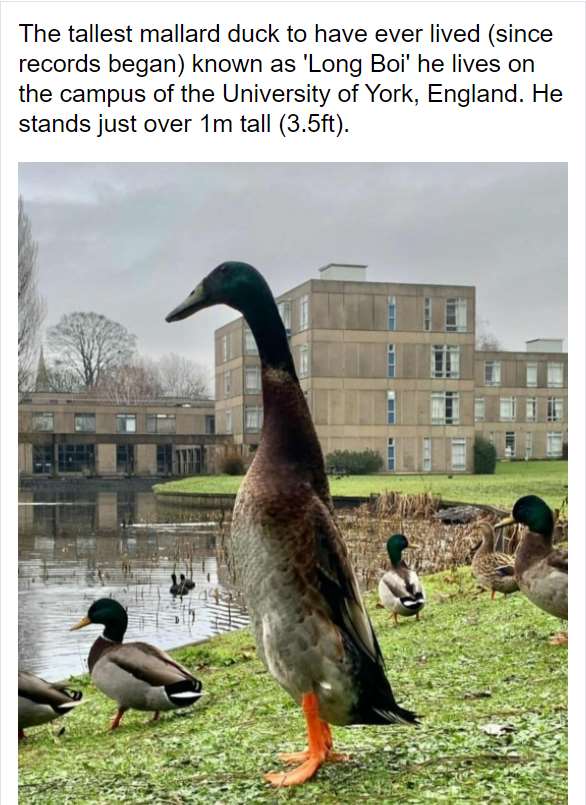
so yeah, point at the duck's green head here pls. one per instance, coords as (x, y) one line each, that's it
(237, 285)
(395, 547)
(532, 512)
(108, 612)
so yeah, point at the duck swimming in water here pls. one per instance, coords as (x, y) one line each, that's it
(311, 628)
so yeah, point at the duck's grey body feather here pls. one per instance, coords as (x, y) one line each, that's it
(545, 583)
(400, 591)
(40, 702)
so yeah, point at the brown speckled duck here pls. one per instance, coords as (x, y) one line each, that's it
(493, 571)
(541, 570)
(137, 676)
(311, 628)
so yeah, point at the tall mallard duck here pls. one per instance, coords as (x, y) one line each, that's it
(493, 571)
(40, 702)
(400, 590)
(311, 628)
(137, 676)
(541, 569)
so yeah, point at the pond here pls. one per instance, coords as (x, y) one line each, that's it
(80, 543)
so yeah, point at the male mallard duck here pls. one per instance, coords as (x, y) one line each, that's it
(400, 590)
(541, 570)
(311, 628)
(40, 701)
(136, 675)
(493, 571)
(189, 584)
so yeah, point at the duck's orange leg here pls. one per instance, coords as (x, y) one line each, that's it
(331, 757)
(117, 718)
(315, 756)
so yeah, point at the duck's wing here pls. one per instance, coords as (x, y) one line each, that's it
(149, 664)
(40, 691)
(396, 585)
(558, 560)
(339, 589)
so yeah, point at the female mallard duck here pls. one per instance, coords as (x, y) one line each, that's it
(400, 590)
(311, 628)
(541, 570)
(493, 571)
(137, 676)
(40, 701)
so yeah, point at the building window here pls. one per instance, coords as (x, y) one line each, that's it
(427, 313)
(42, 459)
(531, 409)
(555, 375)
(391, 410)
(391, 455)
(510, 444)
(228, 421)
(125, 458)
(227, 383)
(456, 315)
(285, 313)
(126, 423)
(210, 423)
(458, 454)
(492, 373)
(479, 409)
(392, 312)
(427, 454)
(250, 347)
(445, 408)
(76, 458)
(85, 423)
(165, 459)
(43, 422)
(555, 409)
(252, 419)
(445, 361)
(531, 375)
(226, 348)
(528, 444)
(304, 312)
(391, 361)
(303, 360)
(508, 409)
(554, 445)
(160, 423)
(252, 379)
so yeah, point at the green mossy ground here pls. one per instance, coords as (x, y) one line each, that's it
(469, 662)
(512, 480)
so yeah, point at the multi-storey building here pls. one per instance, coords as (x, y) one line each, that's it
(81, 434)
(392, 367)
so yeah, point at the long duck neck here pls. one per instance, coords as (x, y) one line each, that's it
(113, 634)
(288, 432)
(533, 548)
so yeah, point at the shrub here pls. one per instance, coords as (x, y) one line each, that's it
(354, 463)
(232, 464)
(484, 457)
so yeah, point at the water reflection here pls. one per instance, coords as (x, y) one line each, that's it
(76, 547)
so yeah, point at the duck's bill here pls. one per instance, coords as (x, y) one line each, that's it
(506, 521)
(83, 622)
(197, 300)
(414, 546)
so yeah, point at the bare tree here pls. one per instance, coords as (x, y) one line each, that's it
(60, 378)
(132, 383)
(31, 307)
(182, 377)
(486, 341)
(91, 346)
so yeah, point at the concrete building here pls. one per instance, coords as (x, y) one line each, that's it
(79, 434)
(392, 367)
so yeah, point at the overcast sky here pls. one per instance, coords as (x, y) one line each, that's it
(131, 240)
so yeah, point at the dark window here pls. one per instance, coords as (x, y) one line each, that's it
(165, 459)
(42, 459)
(77, 457)
(125, 458)
(210, 423)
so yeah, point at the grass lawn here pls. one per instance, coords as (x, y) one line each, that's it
(468, 663)
(511, 480)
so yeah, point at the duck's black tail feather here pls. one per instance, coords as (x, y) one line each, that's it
(184, 693)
